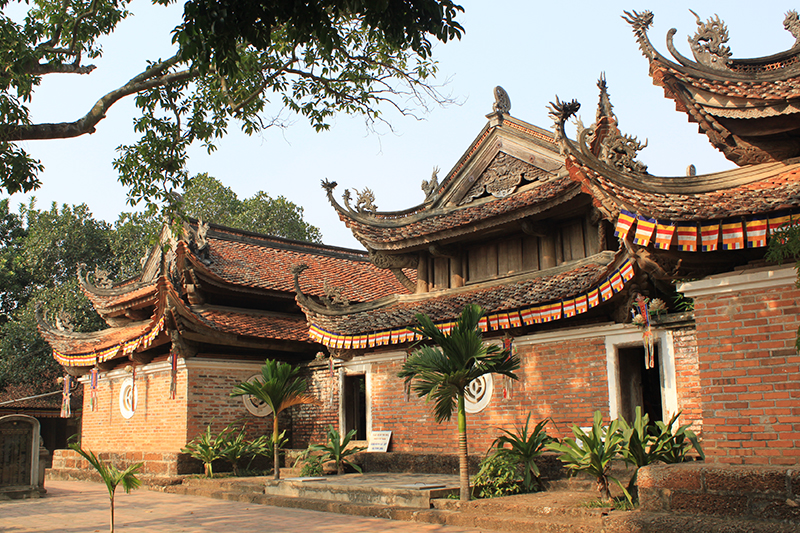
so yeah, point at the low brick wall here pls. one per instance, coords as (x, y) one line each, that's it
(155, 463)
(771, 493)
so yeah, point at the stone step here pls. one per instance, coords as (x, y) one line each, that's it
(542, 504)
(508, 521)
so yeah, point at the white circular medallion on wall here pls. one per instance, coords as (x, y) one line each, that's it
(478, 394)
(253, 405)
(127, 398)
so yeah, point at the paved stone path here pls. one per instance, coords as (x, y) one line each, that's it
(80, 507)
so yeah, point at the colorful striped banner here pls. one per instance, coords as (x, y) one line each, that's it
(616, 281)
(624, 223)
(606, 291)
(687, 237)
(756, 232)
(665, 231)
(569, 308)
(709, 235)
(581, 304)
(594, 298)
(732, 235)
(644, 230)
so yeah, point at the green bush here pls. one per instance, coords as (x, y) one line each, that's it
(336, 449)
(208, 447)
(523, 449)
(593, 453)
(498, 476)
(312, 466)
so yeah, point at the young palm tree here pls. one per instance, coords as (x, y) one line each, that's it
(280, 388)
(442, 372)
(111, 476)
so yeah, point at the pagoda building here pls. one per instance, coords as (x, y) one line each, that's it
(577, 254)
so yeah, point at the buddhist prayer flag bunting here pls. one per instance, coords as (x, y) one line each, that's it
(732, 235)
(616, 281)
(581, 304)
(93, 388)
(779, 219)
(569, 308)
(66, 396)
(536, 314)
(626, 270)
(606, 291)
(664, 233)
(709, 235)
(644, 230)
(756, 232)
(687, 237)
(624, 223)
(594, 298)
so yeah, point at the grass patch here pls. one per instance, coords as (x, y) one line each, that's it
(618, 504)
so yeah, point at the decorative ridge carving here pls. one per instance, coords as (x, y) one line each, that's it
(708, 43)
(792, 24)
(104, 289)
(429, 187)
(502, 103)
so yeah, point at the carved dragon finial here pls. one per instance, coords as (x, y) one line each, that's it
(429, 186)
(792, 25)
(621, 150)
(101, 279)
(641, 22)
(604, 107)
(502, 103)
(562, 111)
(334, 296)
(296, 270)
(708, 43)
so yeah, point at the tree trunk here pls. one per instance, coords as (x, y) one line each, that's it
(463, 465)
(276, 459)
(112, 514)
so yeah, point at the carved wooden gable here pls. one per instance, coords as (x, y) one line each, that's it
(503, 177)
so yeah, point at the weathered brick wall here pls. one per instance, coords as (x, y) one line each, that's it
(310, 422)
(158, 424)
(209, 401)
(687, 377)
(565, 381)
(750, 374)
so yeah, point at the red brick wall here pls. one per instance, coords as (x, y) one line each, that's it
(310, 422)
(565, 381)
(158, 424)
(687, 378)
(210, 401)
(750, 375)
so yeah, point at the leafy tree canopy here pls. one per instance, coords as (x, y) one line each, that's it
(239, 62)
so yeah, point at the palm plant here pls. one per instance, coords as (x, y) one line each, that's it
(336, 449)
(112, 477)
(441, 373)
(280, 387)
(593, 453)
(208, 447)
(524, 448)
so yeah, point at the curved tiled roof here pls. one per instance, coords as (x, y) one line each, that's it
(268, 267)
(501, 295)
(778, 188)
(516, 206)
(254, 324)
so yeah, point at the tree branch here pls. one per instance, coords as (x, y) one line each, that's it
(150, 78)
(55, 68)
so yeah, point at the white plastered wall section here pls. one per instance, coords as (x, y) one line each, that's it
(621, 336)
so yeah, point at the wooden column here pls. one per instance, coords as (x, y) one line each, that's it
(422, 273)
(456, 272)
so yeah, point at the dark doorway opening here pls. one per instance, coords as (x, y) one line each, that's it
(355, 405)
(639, 386)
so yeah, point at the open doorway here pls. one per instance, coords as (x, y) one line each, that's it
(639, 386)
(354, 405)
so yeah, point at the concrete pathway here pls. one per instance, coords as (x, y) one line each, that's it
(79, 507)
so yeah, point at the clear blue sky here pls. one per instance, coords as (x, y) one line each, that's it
(535, 50)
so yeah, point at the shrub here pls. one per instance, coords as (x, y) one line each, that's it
(336, 449)
(207, 448)
(312, 466)
(523, 449)
(496, 477)
(593, 453)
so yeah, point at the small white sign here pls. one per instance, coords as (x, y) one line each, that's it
(379, 441)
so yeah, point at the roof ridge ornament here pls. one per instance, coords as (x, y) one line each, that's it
(429, 186)
(792, 25)
(502, 103)
(708, 43)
